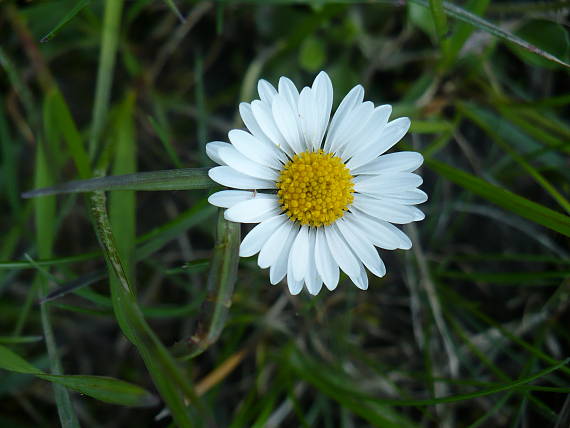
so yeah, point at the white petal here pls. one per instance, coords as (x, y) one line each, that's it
(387, 183)
(254, 240)
(418, 214)
(295, 287)
(349, 102)
(264, 117)
(369, 132)
(351, 125)
(392, 162)
(392, 133)
(307, 117)
(251, 123)
(240, 163)
(362, 280)
(400, 214)
(228, 198)
(266, 91)
(229, 177)
(287, 123)
(279, 267)
(212, 151)
(381, 233)
(322, 94)
(256, 150)
(288, 89)
(252, 211)
(343, 255)
(406, 197)
(327, 267)
(362, 247)
(271, 249)
(298, 259)
(312, 278)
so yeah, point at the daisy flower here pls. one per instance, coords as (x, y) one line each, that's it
(321, 190)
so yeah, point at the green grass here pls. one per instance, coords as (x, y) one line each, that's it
(122, 298)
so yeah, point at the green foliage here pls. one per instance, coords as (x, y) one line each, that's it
(312, 54)
(106, 389)
(546, 35)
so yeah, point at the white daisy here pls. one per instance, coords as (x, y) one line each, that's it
(323, 192)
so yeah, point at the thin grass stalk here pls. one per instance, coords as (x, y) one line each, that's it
(109, 42)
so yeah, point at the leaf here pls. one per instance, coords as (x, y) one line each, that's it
(504, 198)
(107, 389)
(421, 17)
(20, 339)
(221, 281)
(68, 17)
(170, 381)
(330, 384)
(14, 363)
(66, 126)
(439, 18)
(102, 388)
(122, 205)
(462, 31)
(547, 35)
(163, 133)
(334, 384)
(171, 179)
(48, 157)
(471, 113)
(481, 23)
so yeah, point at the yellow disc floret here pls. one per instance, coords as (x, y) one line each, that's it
(315, 188)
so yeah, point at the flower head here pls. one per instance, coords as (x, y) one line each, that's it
(322, 190)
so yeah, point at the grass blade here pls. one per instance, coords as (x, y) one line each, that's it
(462, 31)
(315, 373)
(106, 389)
(64, 121)
(504, 198)
(109, 42)
(122, 205)
(439, 18)
(171, 179)
(48, 155)
(482, 24)
(68, 17)
(471, 113)
(102, 388)
(20, 339)
(221, 280)
(172, 384)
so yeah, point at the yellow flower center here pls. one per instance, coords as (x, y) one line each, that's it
(315, 188)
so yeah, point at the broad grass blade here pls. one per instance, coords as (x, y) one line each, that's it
(102, 388)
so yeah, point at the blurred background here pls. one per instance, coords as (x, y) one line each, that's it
(468, 328)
